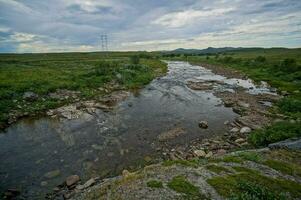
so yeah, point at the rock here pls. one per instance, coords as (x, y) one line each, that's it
(243, 104)
(125, 173)
(52, 174)
(89, 183)
(72, 180)
(294, 144)
(245, 129)
(199, 153)
(11, 193)
(209, 154)
(240, 140)
(80, 187)
(171, 134)
(245, 144)
(44, 183)
(203, 124)
(118, 76)
(30, 96)
(147, 159)
(234, 130)
(226, 122)
(199, 85)
(221, 152)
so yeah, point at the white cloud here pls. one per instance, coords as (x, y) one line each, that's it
(182, 18)
(15, 5)
(4, 29)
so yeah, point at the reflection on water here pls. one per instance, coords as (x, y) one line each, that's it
(105, 143)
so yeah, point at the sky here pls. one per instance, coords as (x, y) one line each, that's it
(77, 25)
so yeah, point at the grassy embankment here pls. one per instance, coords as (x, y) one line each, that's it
(84, 72)
(281, 68)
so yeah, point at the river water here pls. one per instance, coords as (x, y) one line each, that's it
(105, 143)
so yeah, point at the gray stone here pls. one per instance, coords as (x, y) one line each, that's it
(44, 183)
(234, 130)
(245, 129)
(240, 140)
(52, 174)
(209, 154)
(71, 180)
(89, 183)
(199, 153)
(30, 96)
(243, 104)
(203, 124)
(294, 144)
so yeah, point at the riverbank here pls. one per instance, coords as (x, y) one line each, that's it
(205, 170)
(31, 84)
(269, 173)
(99, 140)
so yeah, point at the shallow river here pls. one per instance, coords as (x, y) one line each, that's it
(107, 142)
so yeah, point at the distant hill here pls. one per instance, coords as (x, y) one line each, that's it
(209, 50)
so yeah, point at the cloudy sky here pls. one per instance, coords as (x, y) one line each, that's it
(76, 25)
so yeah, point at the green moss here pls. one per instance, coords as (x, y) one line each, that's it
(251, 191)
(181, 185)
(217, 169)
(229, 184)
(187, 163)
(251, 156)
(241, 169)
(232, 158)
(284, 167)
(154, 184)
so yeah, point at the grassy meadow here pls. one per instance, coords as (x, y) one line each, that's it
(83, 72)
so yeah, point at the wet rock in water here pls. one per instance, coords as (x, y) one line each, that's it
(226, 122)
(245, 129)
(11, 193)
(199, 85)
(72, 180)
(44, 183)
(228, 103)
(30, 96)
(199, 153)
(203, 124)
(52, 174)
(240, 140)
(171, 134)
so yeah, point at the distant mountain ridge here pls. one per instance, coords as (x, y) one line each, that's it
(207, 50)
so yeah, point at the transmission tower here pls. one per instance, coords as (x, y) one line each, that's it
(104, 42)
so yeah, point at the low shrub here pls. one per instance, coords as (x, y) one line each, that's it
(277, 132)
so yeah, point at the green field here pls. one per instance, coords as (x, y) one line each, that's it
(84, 72)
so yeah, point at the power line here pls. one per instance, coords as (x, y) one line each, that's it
(104, 42)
